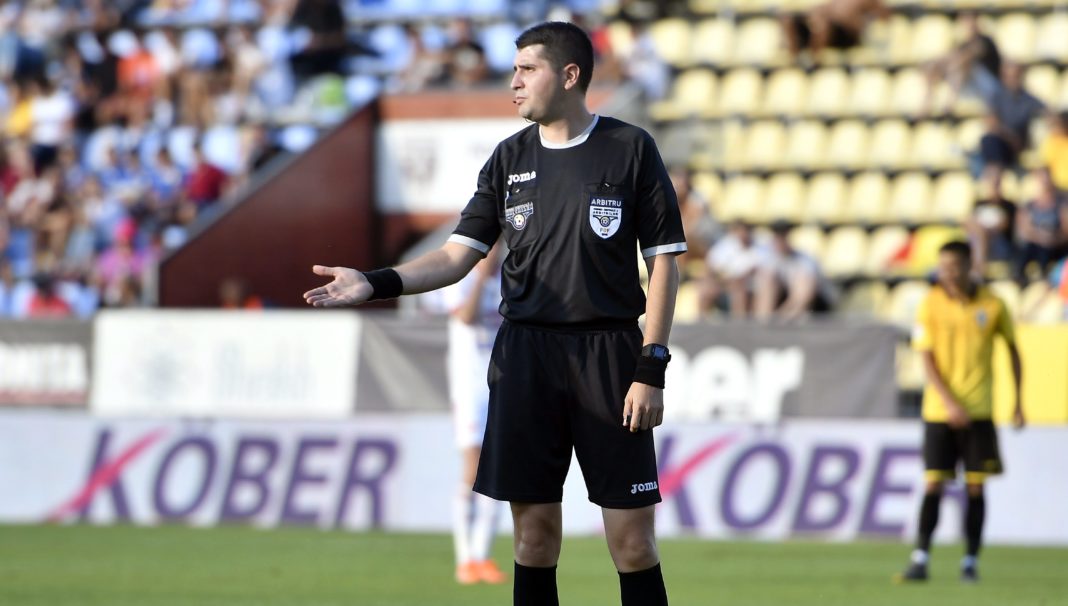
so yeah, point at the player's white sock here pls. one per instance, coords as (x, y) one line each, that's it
(484, 526)
(969, 562)
(462, 509)
(919, 556)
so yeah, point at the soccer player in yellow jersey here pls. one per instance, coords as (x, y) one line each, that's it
(955, 329)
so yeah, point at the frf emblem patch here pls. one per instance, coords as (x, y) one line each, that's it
(519, 214)
(606, 213)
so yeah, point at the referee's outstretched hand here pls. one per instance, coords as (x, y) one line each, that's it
(349, 287)
(644, 407)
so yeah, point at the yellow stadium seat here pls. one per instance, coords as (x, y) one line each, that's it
(885, 245)
(671, 37)
(806, 145)
(785, 92)
(763, 147)
(621, 37)
(825, 198)
(1009, 292)
(1044, 82)
(740, 90)
(808, 239)
(710, 186)
(784, 197)
(1027, 188)
(954, 197)
(743, 198)
(910, 198)
(909, 89)
(868, 196)
(1040, 304)
(844, 254)
(848, 145)
(903, 301)
(899, 40)
(1052, 38)
(863, 299)
(713, 41)
(870, 91)
(968, 134)
(891, 144)
(687, 303)
(692, 94)
(758, 42)
(923, 253)
(932, 37)
(1015, 36)
(828, 92)
(934, 147)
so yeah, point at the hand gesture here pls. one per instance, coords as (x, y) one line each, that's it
(349, 287)
(1018, 420)
(958, 417)
(644, 407)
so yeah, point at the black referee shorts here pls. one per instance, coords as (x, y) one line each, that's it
(976, 446)
(552, 391)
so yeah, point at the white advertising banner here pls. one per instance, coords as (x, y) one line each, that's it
(821, 480)
(275, 364)
(432, 166)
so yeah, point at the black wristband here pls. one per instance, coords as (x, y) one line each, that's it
(650, 371)
(386, 284)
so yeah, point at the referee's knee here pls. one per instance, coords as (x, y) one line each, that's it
(538, 549)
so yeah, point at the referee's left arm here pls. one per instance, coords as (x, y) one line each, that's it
(644, 405)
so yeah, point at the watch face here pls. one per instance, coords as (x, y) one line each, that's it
(658, 352)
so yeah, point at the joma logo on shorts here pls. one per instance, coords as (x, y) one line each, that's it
(646, 487)
(522, 177)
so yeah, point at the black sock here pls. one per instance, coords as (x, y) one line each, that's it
(973, 523)
(643, 588)
(534, 586)
(928, 519)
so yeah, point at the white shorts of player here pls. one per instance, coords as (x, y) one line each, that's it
(468, 362)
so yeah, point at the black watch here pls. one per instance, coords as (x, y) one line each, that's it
(656, 352)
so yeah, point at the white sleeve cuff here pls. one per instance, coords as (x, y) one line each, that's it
(471, 243)
(664, 249)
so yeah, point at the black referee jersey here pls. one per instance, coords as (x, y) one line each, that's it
(573, 215)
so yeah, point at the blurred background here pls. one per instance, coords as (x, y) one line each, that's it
(170, 171)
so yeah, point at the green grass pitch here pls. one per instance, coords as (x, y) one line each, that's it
(125, 566)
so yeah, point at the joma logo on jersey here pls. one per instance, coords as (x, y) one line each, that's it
(605, 215)
(519, 214)
(522, 177)
(646, 487)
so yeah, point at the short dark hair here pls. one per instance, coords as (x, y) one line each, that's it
(958, 247)
(564, 43)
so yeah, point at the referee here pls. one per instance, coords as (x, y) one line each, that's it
(955, 329)
(575, 195)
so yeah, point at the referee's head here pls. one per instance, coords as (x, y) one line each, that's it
(562, 45)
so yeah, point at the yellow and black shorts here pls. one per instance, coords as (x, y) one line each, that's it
(975, 446)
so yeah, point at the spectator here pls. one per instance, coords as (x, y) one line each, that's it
(52, 115)
(837, 24)
(44, 302)
(234, 294)
(992, 226)
(1043, 225)
(644, 65)
(465, 58)
(206, 181)
(1054, 151)
(1008, 122)
(14, 293)
(322, 22)
(697, 221)
(790, 284)
(732, 264)
(973, 67)
(425, 65)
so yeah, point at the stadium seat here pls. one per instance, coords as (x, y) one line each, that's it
(785, 92)
(758, 42)
(1009, 292)
(848, 145)
(903, 301)
(954, 197)
(885, 246)
(709, 185)
(868, 195)
(899, 40)
(806, 145)
(713, 42)
(969, 132)
(934, 147)
(844, 254)
(687, 302)
(825, 199)
(1052, 37)
(932, 37)
(784, 198)
(743, 197)
(870, 91)
(909, 89)
(808, 239)
(620, 37)
(692, 94)
(740, 89)
(828, 92)
(1044, 82)
(863, 299)
(910, 198)
(890, 145)
(763, 145)
(671, 37)
(1015, 36)
(923, 251)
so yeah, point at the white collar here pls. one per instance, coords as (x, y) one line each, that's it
(578, 140)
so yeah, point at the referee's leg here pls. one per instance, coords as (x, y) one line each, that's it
(538, 528)
(632, 543)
